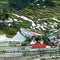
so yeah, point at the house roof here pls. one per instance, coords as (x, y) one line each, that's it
(18, 37)
(3, 38)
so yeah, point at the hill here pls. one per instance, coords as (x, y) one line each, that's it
(32, 10)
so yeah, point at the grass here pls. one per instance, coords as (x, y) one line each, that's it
(4, 2)
(2, 32)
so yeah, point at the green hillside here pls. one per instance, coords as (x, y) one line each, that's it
(29, 8)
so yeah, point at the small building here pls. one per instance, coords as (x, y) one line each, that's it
(4, 40)
(18, 37)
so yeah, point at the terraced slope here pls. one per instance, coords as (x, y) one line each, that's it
(34, 15)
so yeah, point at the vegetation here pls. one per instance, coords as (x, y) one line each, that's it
(20, 4)
(30, 8)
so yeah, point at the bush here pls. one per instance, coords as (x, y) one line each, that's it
(23, 44)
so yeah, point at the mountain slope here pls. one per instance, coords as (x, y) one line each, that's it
(48, 13)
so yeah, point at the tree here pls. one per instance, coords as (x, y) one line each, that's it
(49, 3)
(4, 15)
(19, 4)
(41, 3)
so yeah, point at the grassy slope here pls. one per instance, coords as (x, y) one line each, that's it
(47, 12)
